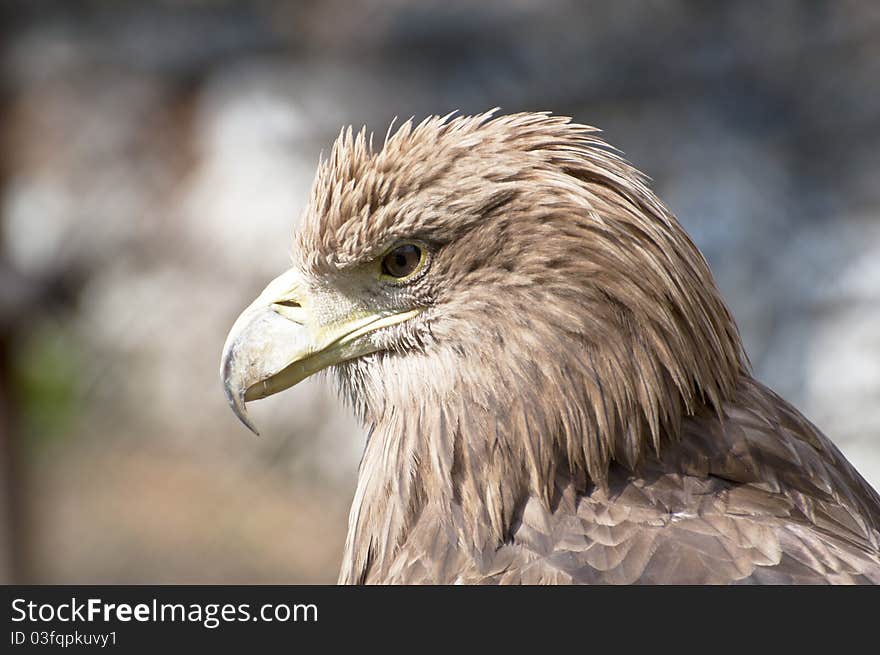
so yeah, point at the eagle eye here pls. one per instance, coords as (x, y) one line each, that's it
(402, 261)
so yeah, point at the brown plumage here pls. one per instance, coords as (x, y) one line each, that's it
(569, 401)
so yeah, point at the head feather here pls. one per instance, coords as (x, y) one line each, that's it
(571, 322)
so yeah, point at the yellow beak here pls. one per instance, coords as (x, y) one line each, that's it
(290, 332)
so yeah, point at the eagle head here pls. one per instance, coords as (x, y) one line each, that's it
(510, 284)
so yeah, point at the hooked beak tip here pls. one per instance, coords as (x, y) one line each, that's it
(237, 403)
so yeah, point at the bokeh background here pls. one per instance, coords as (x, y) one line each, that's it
(154, 160)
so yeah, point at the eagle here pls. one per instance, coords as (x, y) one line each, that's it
(553, 389)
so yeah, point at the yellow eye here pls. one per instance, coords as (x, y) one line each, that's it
(402, 261)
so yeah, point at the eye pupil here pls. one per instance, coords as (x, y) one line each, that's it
(402, 261)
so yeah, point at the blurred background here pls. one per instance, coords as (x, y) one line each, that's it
(154, 160)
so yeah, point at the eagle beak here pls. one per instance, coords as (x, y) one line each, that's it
(290, 332)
